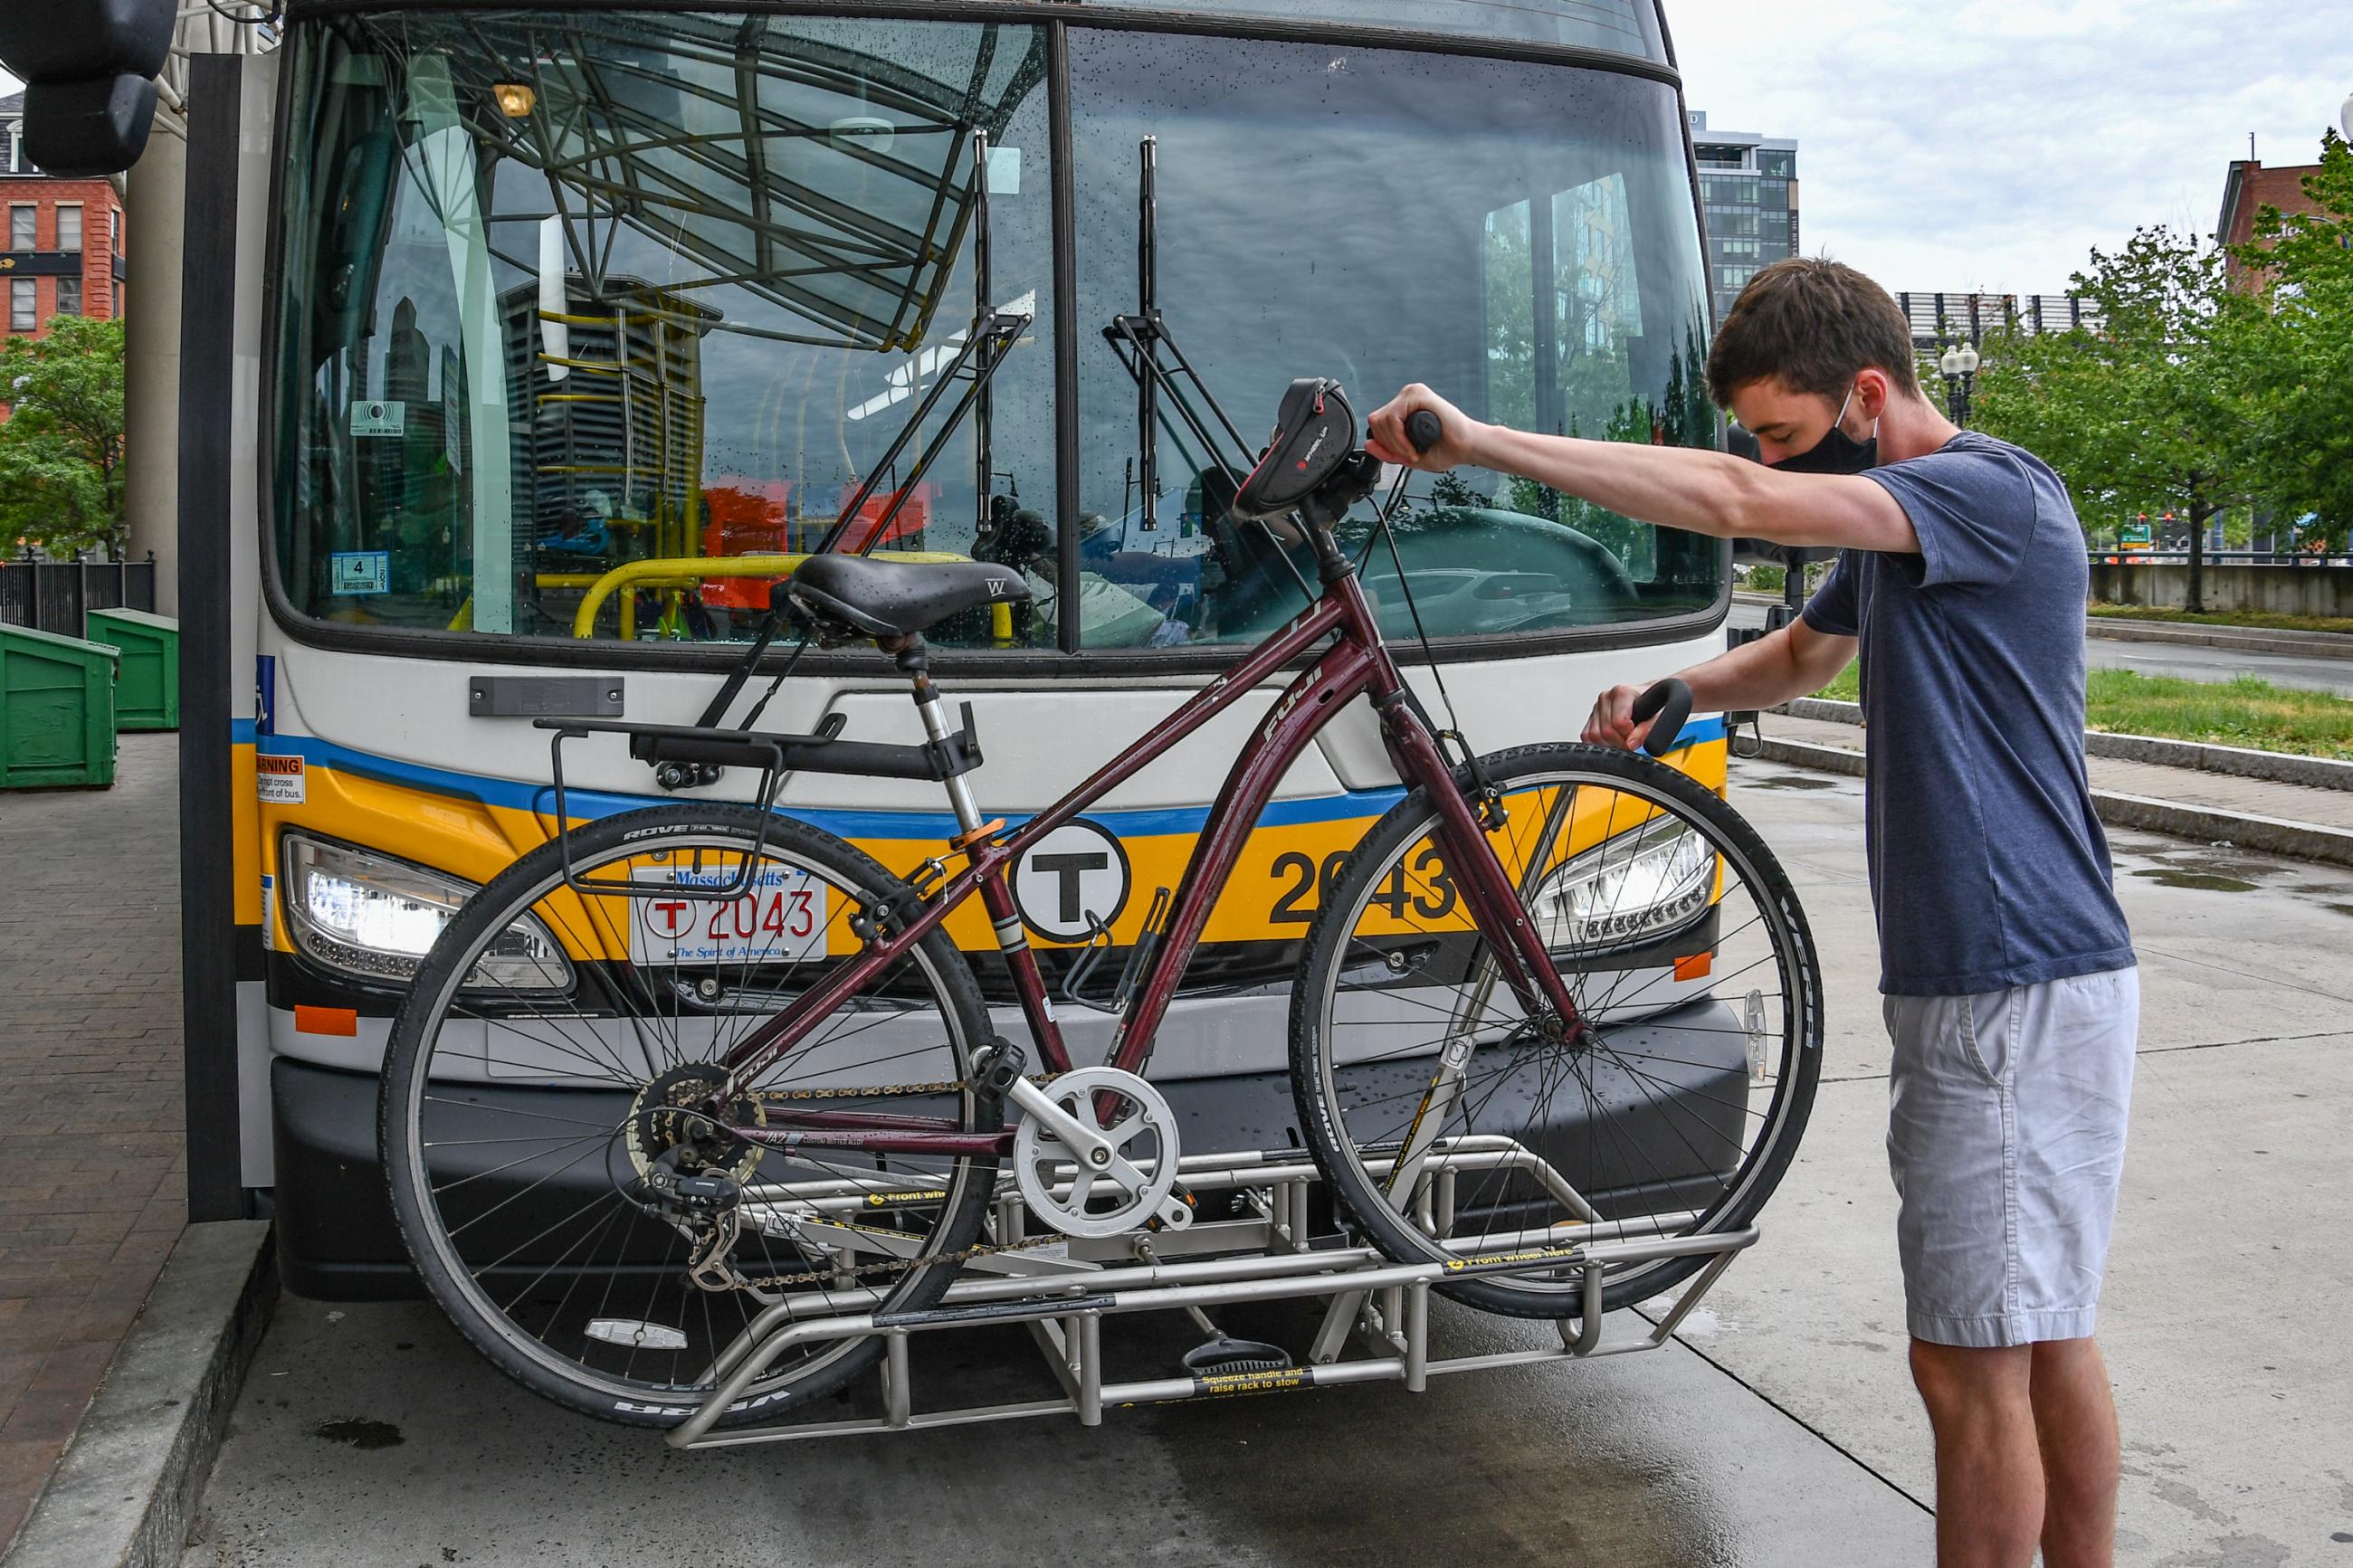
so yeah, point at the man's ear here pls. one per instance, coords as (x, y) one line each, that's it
(1872, 389)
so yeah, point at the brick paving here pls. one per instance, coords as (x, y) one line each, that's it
(2189, 786)
(92, 1171)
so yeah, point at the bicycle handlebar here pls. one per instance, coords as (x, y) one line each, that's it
(1423, 429)
(1667, 704)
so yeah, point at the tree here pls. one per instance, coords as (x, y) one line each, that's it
(2303, 376)
(2152, 407)
(61, 450)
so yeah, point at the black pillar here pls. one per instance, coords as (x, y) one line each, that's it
(207, 863)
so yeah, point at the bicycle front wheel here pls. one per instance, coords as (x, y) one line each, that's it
(1450, 1126)
(553, 1112)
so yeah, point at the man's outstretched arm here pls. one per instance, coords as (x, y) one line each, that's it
(1673, 487)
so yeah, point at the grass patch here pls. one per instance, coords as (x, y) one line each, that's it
(2253, 620)
(2248, 712)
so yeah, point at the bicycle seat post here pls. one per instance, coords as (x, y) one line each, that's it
(913, 656)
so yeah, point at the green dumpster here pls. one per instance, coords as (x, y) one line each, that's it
(56, 711)
(147, 688)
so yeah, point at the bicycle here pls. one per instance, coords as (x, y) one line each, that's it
(687, 1061)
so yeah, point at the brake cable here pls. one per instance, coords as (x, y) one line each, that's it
(1491, 808)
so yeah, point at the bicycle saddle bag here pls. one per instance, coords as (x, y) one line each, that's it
(1315, 432)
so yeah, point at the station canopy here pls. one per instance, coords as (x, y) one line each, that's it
(821, 176)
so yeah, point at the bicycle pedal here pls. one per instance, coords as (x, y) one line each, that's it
(996, 1067)
(1226, 1356)
(1177, 1210)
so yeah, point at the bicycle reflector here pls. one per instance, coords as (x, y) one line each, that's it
(376, 917)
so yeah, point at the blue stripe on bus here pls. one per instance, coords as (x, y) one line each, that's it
(539, 798)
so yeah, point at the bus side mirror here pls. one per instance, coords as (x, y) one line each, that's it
(89, 71)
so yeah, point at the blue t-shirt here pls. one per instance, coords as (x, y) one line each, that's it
(1987, 867)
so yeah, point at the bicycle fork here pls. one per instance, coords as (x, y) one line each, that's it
(1464, 844)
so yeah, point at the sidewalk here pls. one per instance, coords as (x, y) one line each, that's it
(2257, 812)
(91, 1140)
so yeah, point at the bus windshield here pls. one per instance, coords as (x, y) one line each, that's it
(593, 320)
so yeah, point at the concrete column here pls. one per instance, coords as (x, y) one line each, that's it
(155, 214)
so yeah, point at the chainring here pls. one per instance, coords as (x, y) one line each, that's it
(1082, 1199)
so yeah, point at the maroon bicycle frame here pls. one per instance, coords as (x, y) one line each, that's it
(1357, 664)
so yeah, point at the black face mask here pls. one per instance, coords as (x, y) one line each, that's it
(1836, 453)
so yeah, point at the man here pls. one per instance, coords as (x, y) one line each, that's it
(2010, 991)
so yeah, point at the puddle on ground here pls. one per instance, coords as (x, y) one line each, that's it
(361, 1433)
(2206, 881)
(1788, 781)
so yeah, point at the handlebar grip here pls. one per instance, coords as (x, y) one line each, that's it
(1667, 705)
(1424, 429)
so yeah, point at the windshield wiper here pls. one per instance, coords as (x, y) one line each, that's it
(1136, 342)
(993, 332)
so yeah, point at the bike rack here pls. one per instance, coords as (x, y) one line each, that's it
(1061, 1293)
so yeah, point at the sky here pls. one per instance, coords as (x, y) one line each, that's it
(1991, 144)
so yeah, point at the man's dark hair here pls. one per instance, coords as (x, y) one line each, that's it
(1811, 323)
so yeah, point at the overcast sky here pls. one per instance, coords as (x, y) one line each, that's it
(1961, 144)
(1991, 144)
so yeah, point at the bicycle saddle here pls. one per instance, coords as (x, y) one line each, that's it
(1314, 436)
(897, 598)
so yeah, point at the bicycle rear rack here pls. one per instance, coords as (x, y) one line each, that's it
(1061, 1294)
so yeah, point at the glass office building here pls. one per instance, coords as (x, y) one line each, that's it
(1748, 191)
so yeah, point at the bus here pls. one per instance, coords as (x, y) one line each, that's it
(549, 338)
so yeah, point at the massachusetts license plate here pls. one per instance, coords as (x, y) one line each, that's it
(779, 919)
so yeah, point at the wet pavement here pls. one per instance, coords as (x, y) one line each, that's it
(1779, 1428)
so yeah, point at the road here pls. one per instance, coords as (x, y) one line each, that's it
(1779, 1428)
(2189, 662)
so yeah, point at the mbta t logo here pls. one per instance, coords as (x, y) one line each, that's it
(1071, 880)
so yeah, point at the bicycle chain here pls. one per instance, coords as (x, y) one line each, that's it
(979, 1249)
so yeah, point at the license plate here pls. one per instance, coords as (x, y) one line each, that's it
(779, 919)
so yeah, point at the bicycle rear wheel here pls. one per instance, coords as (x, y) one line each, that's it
(1450, 1126)
(553, 1077)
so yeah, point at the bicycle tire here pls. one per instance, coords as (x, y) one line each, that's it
(657, 1402)
(1318, 1069)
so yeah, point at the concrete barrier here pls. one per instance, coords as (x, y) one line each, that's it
(2282, 589)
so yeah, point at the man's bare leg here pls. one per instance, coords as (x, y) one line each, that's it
(2075, 1422)
(1989, 1465)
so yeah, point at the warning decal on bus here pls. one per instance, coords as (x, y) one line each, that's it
(279, 780)
(780, 919)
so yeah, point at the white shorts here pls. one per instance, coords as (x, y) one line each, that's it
(2006, 1135)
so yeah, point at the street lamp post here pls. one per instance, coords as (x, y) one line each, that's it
(1960, 368)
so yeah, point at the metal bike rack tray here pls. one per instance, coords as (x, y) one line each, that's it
(1062, 1292)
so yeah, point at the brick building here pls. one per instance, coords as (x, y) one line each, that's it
(61, 252)
(2247, 189)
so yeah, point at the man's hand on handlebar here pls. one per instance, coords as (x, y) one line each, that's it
(1613, 723)
(1392, 442)
(1651, 717)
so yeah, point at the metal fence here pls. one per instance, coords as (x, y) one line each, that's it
(54, 595)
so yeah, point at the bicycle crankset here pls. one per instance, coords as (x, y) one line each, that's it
(1128, 1179)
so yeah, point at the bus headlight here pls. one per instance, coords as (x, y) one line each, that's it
(1612, 894)
(376, 917)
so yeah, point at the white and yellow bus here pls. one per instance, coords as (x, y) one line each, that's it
(552, 335)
